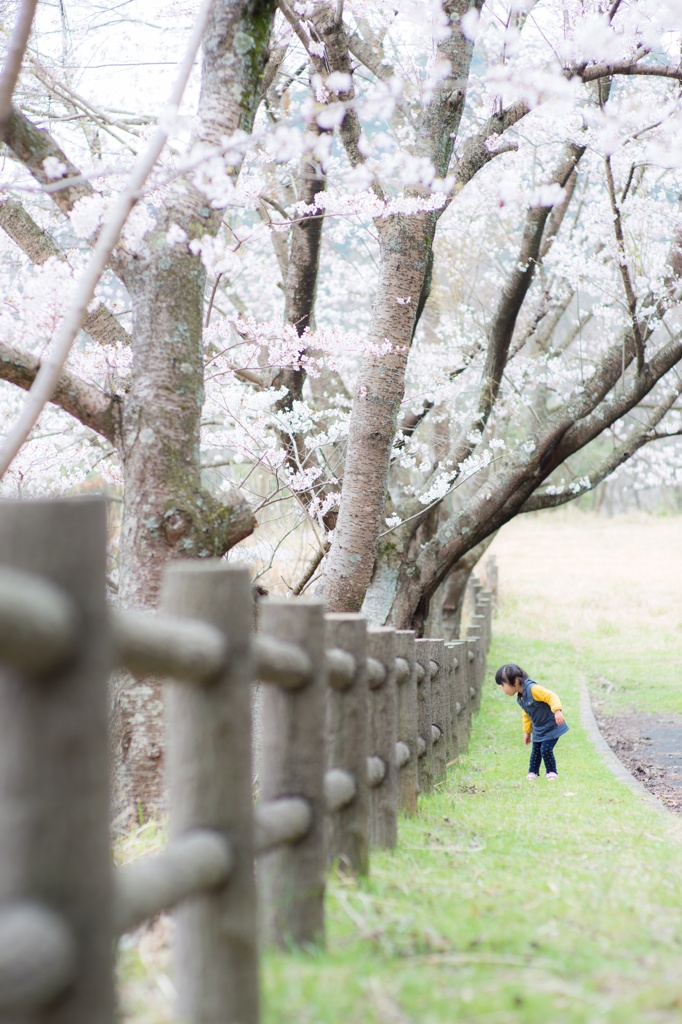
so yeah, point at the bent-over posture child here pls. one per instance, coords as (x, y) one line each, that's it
(542, 716)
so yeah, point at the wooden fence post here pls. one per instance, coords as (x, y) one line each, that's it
(473, 646)
(450, 669)
(54, 776)
(383, 709)
(347, 733)
(485, 606)
(440, 708)
(209, 765)
(461, 688)
(425, 716)
(291, 879)
(408, 724)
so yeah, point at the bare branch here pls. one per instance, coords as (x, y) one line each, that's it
(557, 215)
(629, 66)
(310, 569)
(48, 375)
(614, 9)
(368, 56)
(15, 56)
(330, 28)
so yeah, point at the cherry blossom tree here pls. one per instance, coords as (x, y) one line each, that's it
(412, 270)
(152, 421)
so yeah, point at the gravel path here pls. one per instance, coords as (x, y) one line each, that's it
(650, 747)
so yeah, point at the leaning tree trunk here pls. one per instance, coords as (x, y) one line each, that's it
(166, 513)
(405, 246)
(405, 250)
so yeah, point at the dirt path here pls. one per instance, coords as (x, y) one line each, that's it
(650, 747)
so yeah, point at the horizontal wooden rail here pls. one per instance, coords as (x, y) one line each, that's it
(341, 668)
(280, 822)
(38, 623)
(376, 771)
(37, 958)
(191, 863)
(376, 673)
(402, 754)
(151, 643)
(279, 662)
(339, 789)
(402, 671)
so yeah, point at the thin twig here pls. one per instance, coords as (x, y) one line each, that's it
(15, 56)
(51, 368)
(310, 569)
(212, 299)
(630, 296)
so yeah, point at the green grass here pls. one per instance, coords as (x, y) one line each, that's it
(510, 902)
(507, 901)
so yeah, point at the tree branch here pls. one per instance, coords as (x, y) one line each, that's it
(630, 296)
(515, 291)
(39, 246)
(628, 66)
(620, 455)
(32, 146)
(15, 56)
(50, 370)
(589, 426)
(89, 405)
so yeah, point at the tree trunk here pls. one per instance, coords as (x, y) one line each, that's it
(405, 247)
(166, 514)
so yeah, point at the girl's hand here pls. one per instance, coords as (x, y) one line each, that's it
(526, 738)
(559, 718)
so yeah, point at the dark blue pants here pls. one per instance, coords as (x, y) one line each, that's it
(543, 752)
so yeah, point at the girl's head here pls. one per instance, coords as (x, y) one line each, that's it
(509, 677)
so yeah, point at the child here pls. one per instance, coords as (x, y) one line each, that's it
(541, 711)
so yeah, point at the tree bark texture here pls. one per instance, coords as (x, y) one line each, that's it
(166, 513)
(405, 247)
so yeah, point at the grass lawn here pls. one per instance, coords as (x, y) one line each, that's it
(509, 902)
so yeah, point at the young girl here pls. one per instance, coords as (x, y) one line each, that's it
(542, 715)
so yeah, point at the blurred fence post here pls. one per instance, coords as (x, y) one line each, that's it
(408, 725)
(459, 649)
(347, 732)
(209, 762)
(54, 777)
(440, 707)
(425, 715)
(291, 879)
(383, 708)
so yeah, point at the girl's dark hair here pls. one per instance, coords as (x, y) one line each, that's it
(509, 673)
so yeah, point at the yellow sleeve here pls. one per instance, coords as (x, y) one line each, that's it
(527, 724)
(540, 693)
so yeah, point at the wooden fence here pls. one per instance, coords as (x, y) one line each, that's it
(356, 723)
